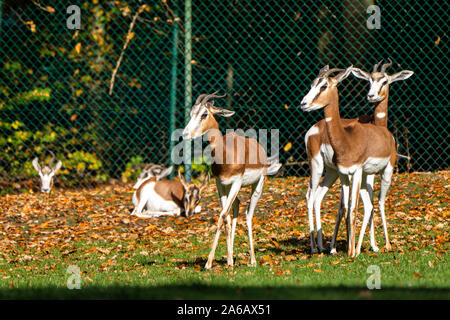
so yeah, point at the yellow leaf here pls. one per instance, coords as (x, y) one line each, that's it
(317, 270)
(437, 41)
(130, 36)
(78, 48)
(288, 146)
(50, 9)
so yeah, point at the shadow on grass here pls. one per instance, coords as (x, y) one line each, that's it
(200, 291)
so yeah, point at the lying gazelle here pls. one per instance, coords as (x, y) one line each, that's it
(320, 153)
(151, 170)
(47, 172)
(360, 149)
(167, 197)
(238, 161)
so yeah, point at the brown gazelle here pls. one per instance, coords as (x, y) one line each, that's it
(378, 95)
(237, 161)
(360, 149)
(168, 197)
(320, 154)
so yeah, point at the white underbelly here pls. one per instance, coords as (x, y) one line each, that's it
(250, 176)
(375, 165)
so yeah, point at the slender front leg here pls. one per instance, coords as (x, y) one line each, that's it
(373, 242)
(386, 178)
(316, 167)
(339, 216)
(256, 194)
(223, 191)
(356, 185)
(368, 211)
(343, 210)
(235, 187)
(330, 177)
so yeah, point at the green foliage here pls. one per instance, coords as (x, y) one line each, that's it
(132, 169)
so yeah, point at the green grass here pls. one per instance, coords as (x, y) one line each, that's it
(154, 264)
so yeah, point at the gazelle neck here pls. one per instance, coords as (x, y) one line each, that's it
(214, 136)
(381, 112)
(336, 132)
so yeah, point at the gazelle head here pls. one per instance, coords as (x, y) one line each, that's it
(380, 80)
(152, 170)
(319, 95)
(202, 116)
(192, 194)
(47, 172)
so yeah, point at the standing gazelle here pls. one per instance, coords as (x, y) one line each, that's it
(238, 161)
(47, 172)
(360, 149)
(320, 154)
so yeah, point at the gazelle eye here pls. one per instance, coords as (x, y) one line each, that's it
(322, 88)
(204, 115)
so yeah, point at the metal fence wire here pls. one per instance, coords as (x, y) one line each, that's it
(55, 81)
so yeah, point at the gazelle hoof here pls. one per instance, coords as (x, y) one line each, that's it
(375, 249)
(333, 251)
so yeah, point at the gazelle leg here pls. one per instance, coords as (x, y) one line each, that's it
(223, 191)
(339, 216)
(330, 177)
(384, 187)
(368, 211)
(373, 242)
(235, 187)
(316, 172)
(356, 185)
(256, 194)
(342, 211)
(233, 228)
(140, 204)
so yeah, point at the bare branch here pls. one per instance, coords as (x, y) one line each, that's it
(127, 41)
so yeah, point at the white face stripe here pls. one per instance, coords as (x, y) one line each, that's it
(313, 94)
(195, 121)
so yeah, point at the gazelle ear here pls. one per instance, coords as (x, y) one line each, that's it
(182, 180)
(36, 165)
(165, 172)
(402, 75)
(57, 166)
(324, 69)
(220, 111)
(205, 182)
(344, 74)
(360, 74)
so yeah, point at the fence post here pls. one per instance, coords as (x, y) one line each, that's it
(187, 82)
(173, 89)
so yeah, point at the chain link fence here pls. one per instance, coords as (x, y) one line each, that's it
(56, 82)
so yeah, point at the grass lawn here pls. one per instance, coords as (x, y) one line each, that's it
(120, 256)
